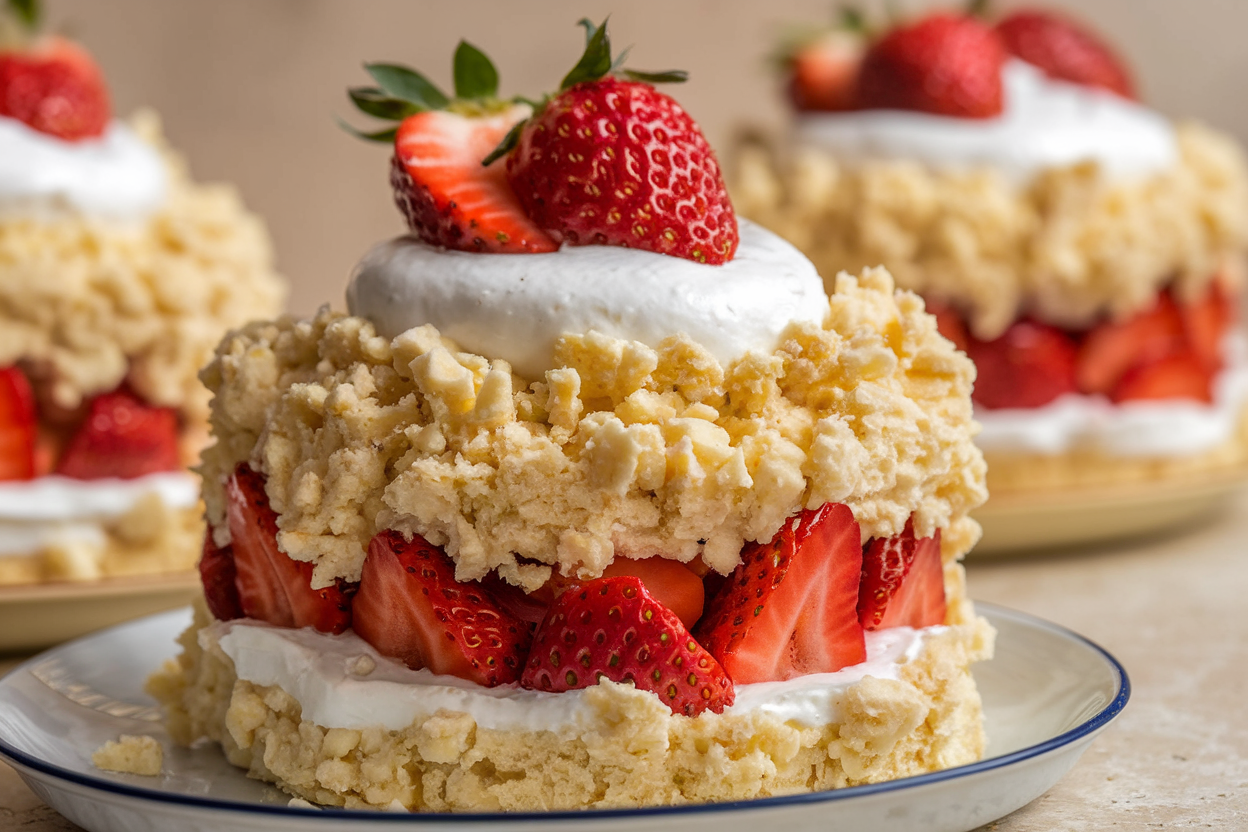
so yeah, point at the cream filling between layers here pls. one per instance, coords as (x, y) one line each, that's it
(53, 510)
(514, 307)
(340, 681)
(1079, 423)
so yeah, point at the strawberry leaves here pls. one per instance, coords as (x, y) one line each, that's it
(475, 75)
(28, 12)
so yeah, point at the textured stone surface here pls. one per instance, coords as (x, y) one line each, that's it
(1171, 609)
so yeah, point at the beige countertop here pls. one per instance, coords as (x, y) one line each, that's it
(1172, 609)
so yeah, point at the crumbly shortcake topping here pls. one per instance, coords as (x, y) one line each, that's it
(625, 450)
(88, 303)
(1068, 248)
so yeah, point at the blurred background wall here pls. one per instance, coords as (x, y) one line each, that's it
(248, 89)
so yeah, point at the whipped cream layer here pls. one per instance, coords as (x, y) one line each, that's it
(515, 306)
(117, 176)
(1046, 123)
(1076, 422)
(342, 682)
(38, 513)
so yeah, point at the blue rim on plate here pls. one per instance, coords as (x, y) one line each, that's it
(1084, 729)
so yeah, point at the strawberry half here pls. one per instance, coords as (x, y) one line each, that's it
(612, 628)
(271, 586)
(410, 607)
(791, 607)
(823, 72)
(17, 426)
(945, 64)
(219, 576)
(1110, 350)
(1205, 323)
(1030, 365)
(1179, 376)
(55, 88)
(122, 437)
(903, 582)
(1065, 50)
(669, 582)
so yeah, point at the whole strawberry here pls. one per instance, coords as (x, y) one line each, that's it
(946, 64)
(1065, 50)
(55, 87)
(612, 161)
(612, 628)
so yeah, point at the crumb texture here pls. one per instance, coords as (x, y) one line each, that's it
(624, 450)
(633, 752)
(86, 304)
(130, 754)
(1069, 248)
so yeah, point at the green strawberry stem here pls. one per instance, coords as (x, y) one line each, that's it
(979, 8)
(27, 12)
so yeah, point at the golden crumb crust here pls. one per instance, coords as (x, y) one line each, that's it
(1068, 248)
(634, 752)
(86, 304)
(130, 754)
(624, 450)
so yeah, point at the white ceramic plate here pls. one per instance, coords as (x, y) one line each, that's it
(1047, 694)
(40, 615)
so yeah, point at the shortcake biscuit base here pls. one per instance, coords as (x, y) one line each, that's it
(1069, 248)
(86, 304)
(637, 752)
(623, 451)
(151, 538)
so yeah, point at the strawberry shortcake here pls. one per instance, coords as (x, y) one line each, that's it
(1086, 252)
(594, 498)
(117, 277)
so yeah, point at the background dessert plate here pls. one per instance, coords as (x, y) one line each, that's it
(34, 616)
(1047, 694)
(1017, 523)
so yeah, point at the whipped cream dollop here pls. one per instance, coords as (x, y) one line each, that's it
(340, 681)
(117, 176)
(1078, 423)
(515, 306)
(46, 511)
(1046, 123)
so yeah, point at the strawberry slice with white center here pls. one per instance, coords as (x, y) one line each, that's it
(410, 607)
(448, 197)
(122, 436)
(17, 426)
(271, 586)
(791, 607)
(612, 628)
(903, 582)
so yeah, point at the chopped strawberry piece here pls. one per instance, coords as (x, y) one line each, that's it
(614, 162)
(824, 73)
(1111, 349)
(949, 324)
(1205, 323)
(903, 582)
(271, 586)
(410, 607)
(612, 628)
(56, 88)
(1180, 376)
(219, 578)
(791, 607)
(1065, 50)
(1030, 365)
(17, 426)
(669, 582)
(122, 437)
(946, 64)
(448, 197)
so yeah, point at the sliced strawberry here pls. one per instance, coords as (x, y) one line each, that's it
(17, 426)
(1065, 50)
(824, 72)
(448, 197)
(1179, 376)
(1030, 365)
(612, 628)
(903, 582)
(56, 88)
(946, 64)
(950, 325)
(669, 582)
(122, 437)
(1205, 323)
(271, 586)
(1111, 349)
(410, 607)
(219, 578)
(791, 607)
